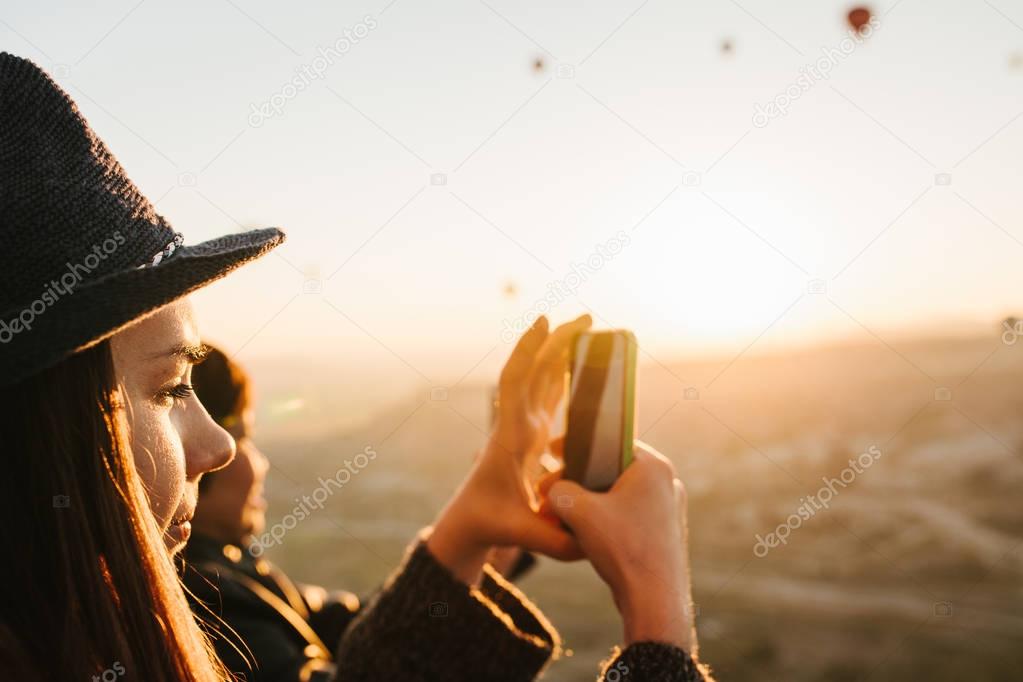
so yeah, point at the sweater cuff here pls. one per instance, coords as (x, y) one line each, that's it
(525, 615)
(426, 624)
(654, 661)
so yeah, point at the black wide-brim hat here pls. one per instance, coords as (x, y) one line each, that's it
(83, 254)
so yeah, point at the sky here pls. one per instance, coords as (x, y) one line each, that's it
(453, 163)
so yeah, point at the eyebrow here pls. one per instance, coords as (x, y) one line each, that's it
(192, 353)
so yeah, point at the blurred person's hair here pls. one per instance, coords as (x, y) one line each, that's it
(88, 583)
(223, 387)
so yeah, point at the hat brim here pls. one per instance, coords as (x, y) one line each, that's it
(99, 309)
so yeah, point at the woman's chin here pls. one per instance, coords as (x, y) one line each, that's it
(176, 536)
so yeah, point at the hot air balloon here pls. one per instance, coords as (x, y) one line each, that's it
(859, 17)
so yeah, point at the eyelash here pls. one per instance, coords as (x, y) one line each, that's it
(180, 392)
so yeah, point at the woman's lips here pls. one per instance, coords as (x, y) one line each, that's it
(180, 530)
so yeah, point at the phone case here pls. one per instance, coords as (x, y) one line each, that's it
(577, 465)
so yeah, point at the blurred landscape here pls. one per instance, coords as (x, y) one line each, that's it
(912, 572)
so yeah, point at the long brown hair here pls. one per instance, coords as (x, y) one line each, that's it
(87, 585)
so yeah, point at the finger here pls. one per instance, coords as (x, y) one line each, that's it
(567, 499)
(545, 483)
(637, 445)
(557, 446)
(650, 471)
(548, 537)
(552, 461)
(522, 357)
(546, 508)
(555, 391)
(552, 361)
(641, 450)
(557, 343)
(681, 500)
(546, 511)
(547, 378)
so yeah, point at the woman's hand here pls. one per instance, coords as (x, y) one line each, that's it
(497, 504)
(635, 537)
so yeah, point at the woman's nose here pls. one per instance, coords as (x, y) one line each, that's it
(213, 448)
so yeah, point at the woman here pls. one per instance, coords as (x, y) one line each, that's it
(105, 443)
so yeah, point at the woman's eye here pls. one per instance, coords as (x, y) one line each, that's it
(180, 392)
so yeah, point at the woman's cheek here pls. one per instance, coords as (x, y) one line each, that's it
(161, 464)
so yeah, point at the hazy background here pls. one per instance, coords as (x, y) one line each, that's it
(816, 283)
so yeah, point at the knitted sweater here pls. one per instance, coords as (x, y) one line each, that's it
(427, 625)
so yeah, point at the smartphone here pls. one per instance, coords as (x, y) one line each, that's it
(601, 408)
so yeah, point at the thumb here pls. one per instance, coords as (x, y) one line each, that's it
(566, 498)
(547, 537)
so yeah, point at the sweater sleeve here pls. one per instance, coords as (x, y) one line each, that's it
(427, 625)
(653, 662)
(525, 616)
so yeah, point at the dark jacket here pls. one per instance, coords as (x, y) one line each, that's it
(282, 631)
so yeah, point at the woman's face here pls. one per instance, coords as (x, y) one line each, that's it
(173, 440)
(231, 504)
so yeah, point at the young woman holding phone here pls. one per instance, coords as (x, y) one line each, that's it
(104, 443)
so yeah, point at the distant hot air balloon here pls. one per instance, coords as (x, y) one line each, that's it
(859, 17)
(511, 290)
(727, 47)
(539, 65)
